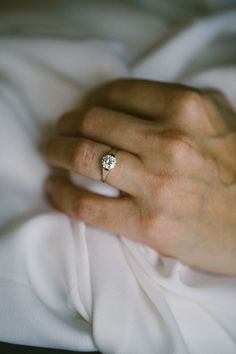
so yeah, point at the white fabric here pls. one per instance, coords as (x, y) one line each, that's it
(66, 285)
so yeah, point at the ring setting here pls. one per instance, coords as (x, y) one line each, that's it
(108, 162)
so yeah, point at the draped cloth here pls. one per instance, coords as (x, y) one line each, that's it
(64, 284)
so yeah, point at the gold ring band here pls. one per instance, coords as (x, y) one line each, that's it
(108, 162)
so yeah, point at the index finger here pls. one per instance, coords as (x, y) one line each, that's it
(143, 98)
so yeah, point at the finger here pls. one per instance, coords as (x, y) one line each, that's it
(84, 156)
(116, 215)
(120, 130)
(142, 98)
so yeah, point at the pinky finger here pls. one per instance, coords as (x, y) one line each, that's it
(115, 215)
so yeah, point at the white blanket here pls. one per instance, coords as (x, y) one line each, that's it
(66, 285)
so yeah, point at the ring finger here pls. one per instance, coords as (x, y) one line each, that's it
(83, 156)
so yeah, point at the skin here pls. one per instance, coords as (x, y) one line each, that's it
(176, 169)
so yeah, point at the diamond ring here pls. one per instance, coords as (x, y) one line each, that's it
(108, 162)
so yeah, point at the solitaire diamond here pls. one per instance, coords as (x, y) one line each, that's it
(108, 162)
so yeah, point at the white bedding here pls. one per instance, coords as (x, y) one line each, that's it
(66, 285)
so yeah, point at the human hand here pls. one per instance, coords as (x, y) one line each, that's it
(176, 169)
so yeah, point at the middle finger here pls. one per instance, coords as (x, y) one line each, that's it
(122, 131)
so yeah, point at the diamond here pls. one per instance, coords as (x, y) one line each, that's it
(108, 162)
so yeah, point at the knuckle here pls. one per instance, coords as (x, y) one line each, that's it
(179, 151)
(190, 97)
(188, 102)
(178, 147)
(83, 155)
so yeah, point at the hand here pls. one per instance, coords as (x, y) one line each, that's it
(176, 169)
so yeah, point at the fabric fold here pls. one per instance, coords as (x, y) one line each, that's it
(67, 285)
